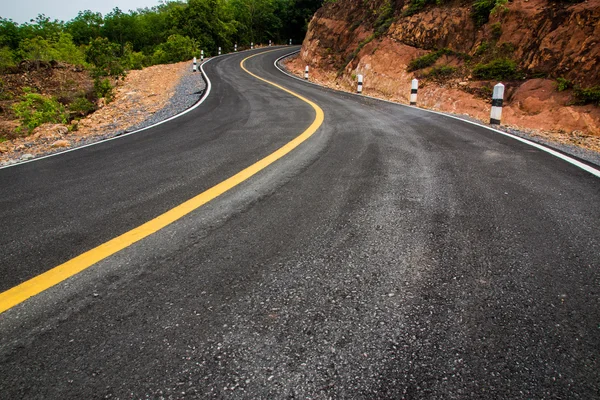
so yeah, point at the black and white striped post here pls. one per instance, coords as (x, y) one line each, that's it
(414, 87)
(195, 67)
(306, 73)
(497, 99)
(290, 42)
(219, 51)
(235, 47)
(269, 43)
(251, 45)
(201, 55)
(360, 84)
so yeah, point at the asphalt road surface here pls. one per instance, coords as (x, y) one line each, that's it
(395, 253)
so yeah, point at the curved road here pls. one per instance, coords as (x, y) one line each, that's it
(395, 253)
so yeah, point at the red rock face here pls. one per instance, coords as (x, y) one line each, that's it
(546, 39)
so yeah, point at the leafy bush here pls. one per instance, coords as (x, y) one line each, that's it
(589, 95)
(496, 29)
(59, 48)
(481, 11)
(35, 110)
(385, 19)
(497, 69)
(563, 84)
(7, 58)
(81, 107)
(103, 88)
(104, 55)
(176, 48)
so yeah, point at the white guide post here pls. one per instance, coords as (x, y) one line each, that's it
(359, 88)
(235, 47)
(306, 73)
(201, 55)
(195, 65)
(219, 51)
(497, 100)
(414, 87)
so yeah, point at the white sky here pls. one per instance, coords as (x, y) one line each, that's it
(23, 10)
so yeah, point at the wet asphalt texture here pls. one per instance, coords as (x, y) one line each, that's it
(395, 254)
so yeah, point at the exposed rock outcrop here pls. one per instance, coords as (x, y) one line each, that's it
(547, 40)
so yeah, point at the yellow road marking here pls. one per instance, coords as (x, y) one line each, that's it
(34, 286)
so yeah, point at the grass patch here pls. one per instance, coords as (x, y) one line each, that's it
(429, 59)
(443, 71)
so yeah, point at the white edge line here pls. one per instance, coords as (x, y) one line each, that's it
(555, 153)
(204, 97)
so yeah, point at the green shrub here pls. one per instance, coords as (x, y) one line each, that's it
(385, 19)
(176, 48)
(482, 48)
(428, 59)
(103, 88)
(7, 58)
(563, 84)
(496, 29)
(481, 10)
(443, 71)
(589, 95)
(497, 69)
(81, 107)
(35, 110)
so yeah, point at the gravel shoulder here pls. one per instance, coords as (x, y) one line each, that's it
(144, 98)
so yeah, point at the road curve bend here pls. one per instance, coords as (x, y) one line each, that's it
(394, 253)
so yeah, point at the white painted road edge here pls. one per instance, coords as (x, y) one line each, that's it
(204, 97)
(538, 146)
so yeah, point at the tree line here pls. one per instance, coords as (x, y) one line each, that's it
(170, 32)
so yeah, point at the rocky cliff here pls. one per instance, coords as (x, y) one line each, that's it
(547, 53)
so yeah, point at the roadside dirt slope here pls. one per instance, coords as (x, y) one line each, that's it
(138, 96)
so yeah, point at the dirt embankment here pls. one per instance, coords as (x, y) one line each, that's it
(546, 40)
(136, 98)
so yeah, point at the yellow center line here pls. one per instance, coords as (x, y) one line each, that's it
(38, 284)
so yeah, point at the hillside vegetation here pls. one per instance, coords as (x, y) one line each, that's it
(55, 71)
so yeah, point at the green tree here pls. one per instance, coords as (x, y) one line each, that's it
(85, 26)
(105, 56)
(176, 48)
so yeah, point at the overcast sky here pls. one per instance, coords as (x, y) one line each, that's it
(23, 10)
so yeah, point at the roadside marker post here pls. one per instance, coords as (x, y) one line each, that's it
(235, 47)
(195, 67)
(251, 45)
(497, 100)
(414, 87)
(269, 43)
(359, 88)
(201, 55)
(290, 42)
(306, 73)
(219, 51)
